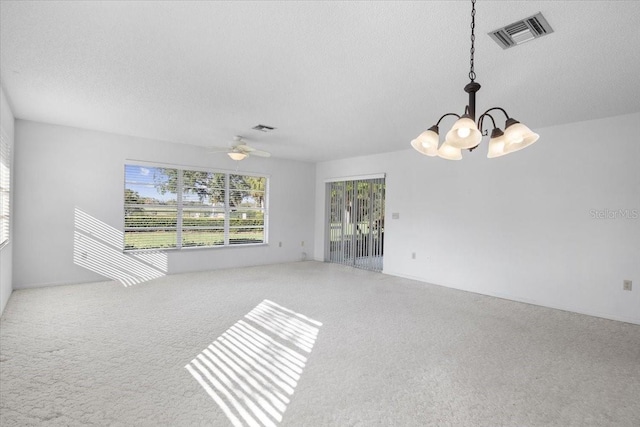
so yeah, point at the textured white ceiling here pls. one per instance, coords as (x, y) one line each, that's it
(336, 79)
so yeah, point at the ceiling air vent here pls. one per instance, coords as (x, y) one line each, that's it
(263, 128)
(522, 31)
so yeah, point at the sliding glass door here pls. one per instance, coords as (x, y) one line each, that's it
(355, 223)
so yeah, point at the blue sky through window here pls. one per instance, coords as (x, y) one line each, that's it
(143, 180)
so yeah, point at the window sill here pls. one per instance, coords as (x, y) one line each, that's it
(194, 248)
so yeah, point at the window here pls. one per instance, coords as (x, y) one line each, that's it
(174, 208)
(5, 183)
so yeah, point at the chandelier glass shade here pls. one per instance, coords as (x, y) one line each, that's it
(497, 144)
(427, 142)
(449, 152)
(466, 133)
(518, 136)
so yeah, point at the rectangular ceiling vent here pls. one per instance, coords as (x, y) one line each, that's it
(263, 128)
(522, 31)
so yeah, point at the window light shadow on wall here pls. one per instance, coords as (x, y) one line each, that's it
(98, 247)
(252, 369)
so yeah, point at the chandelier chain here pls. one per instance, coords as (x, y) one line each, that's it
(472, 74)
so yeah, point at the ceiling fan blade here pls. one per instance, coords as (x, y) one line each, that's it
(260, 153)
(217, 149)
(244, 148)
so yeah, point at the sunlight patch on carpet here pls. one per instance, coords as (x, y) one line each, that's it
(253, 368)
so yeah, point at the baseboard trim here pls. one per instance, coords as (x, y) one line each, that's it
(51, 284)
(578, 310)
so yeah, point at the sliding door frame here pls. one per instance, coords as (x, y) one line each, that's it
(358, 240)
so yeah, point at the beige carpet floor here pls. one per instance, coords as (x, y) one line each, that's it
(308, 344)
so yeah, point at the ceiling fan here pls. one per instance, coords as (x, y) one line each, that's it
(240, 150)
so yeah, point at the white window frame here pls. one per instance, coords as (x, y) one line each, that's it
(5, 189)
(180, 206)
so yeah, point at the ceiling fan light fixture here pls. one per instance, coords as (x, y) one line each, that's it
(237, 156)
(239, 150)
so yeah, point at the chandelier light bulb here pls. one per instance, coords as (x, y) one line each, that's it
(464, 132)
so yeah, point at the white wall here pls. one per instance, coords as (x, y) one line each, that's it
(521, 226)
(59, 169)
(7, 124)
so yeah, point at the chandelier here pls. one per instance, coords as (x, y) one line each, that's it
(466, 133)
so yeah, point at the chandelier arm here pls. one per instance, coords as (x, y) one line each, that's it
(445, 115)
(481, 123)
(498, 108)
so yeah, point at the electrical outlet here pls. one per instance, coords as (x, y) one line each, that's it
(279, 244)
(626, 285)
(413, 255)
